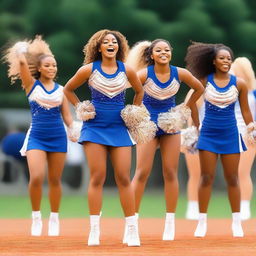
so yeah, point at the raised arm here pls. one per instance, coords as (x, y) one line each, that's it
(81, 76)
(25, 75)
(198, 89)
(136, 85)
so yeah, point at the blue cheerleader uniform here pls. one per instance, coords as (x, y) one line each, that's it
(47, 130)
(219, 132)
(160, 97)
(108, 98)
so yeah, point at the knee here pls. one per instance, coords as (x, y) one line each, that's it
(232, 180)
(123, 181)
(142, 175)
(206, 180)
(54, 181)
(170, 174)
(36, 181)
(97, 180)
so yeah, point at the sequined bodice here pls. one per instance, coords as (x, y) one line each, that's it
(157, 92)
(105, 87)
(45, 103)
(221, 99)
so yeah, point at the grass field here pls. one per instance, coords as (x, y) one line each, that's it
(75, 206)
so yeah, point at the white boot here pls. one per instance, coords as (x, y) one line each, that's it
(245, 210)
(94, 236)
(192, 212)
(54, 225)
(37, 225)
(132, 236)
(125, 229)
(237, 229)
(201, 226)
(169, 227)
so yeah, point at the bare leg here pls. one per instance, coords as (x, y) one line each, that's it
(96, 157)
(121, 160)
(230, 164)
(208, 162)
(170, 151)
(56, 163)
(145, 158)
(36, 164)
(244, 171)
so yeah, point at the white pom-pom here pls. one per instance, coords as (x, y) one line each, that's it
(189, 138)
(133, 115)
(250, 135)
(74, 131)
(21, 47)
(143, 132)
(175, 119)
(85, 110)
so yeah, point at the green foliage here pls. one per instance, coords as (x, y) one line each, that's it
(67, 25)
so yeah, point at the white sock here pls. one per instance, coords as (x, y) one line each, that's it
(94, 220)
(54, 215)
(36, 214)
(169, 216)
(131, 220)
(236, 216)
(202, 216)
(193, 205)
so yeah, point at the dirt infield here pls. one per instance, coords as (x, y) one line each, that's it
(15, 239)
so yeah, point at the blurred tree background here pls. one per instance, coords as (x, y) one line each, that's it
(67, 25)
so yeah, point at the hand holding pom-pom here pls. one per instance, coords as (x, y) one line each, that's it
(74, 131)
(21, 47)
(189, 138)
(175, 119)
(85, 110)
(137, 119)
(133, 115)
(251, 133)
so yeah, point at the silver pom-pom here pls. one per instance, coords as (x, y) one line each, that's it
(85, 110)
(250, 135)
(189, 138)
(137, 119)
(175, 119)
(74, 131)
(133, 115)
(143, 132)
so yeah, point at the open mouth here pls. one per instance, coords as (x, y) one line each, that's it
(110, 49)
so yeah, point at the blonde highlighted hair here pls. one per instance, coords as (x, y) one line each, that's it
(91, 49)
(242, 67)
(35, 51)
(139, 56)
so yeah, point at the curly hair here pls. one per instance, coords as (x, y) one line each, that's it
(91, 49)
(200, 56)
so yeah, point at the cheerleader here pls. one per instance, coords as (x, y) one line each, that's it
(46, 142)
(161, 82)
(242, 67)
(219, 134)
(103, 129)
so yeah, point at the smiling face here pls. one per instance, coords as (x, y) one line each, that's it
(223, 60)
(109, 46)
(48, 67)
(161, 53)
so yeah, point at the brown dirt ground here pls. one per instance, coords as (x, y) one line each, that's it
(16, 241)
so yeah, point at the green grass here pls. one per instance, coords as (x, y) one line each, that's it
(153, 205)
